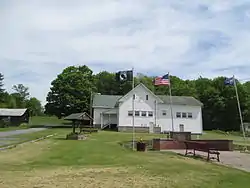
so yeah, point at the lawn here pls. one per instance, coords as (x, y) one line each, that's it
(220, 135)
(100, 161)
(47, 120)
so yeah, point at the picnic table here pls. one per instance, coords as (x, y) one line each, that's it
(203, 147)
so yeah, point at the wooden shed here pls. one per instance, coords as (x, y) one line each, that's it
(79, 120)
(14, 117)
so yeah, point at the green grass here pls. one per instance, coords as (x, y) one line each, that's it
(9, 129)
(220, 135)
(47, 120)
(100, 161)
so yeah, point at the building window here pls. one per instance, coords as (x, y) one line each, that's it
(130, 113)
(150, 114)
(184, 115)
(137, 113)
(164, 112)
(146, 97)
(143, 113)
(178, 114)
(190, 115)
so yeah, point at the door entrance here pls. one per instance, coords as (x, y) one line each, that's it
(151, 127)
(181, 127)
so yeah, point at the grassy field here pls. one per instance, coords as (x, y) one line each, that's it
(220, 135)
(100, 161)
(45, 120)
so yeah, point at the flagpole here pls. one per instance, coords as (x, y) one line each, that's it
(155, 106)
(170, 98)
(133, 109)
(240, 114)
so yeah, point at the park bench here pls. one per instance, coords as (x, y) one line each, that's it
(203, 147)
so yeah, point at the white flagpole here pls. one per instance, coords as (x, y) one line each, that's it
(133, 109)
(170, 97)
(155, 106)
(240, 114)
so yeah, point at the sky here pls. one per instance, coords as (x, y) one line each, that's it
(38, 39)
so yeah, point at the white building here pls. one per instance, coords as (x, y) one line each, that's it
(152, 112)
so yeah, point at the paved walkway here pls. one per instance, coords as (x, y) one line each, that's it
(233, 159)
(22, 131)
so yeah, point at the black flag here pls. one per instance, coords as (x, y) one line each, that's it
(123, 76)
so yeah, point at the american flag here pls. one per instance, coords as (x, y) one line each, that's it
(164, 80)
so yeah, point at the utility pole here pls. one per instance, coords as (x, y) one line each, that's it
(90, 107)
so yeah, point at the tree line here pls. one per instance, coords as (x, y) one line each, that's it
(71, 92)
(19, 98)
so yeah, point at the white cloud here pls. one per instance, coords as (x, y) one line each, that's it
(40, 38)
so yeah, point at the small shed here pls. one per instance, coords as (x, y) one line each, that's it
(79, 120)
(14, 117)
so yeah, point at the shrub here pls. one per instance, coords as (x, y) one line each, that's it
(4, 123)
(24, 126)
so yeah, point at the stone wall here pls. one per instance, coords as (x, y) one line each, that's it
(167, 144)
(157, 130)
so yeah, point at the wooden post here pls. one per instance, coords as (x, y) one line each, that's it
(74, 128)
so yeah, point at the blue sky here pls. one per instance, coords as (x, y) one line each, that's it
(189, 39)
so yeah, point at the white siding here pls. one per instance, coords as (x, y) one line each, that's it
(106, 119)
(193, 124)
(122, 118)
(141, 104)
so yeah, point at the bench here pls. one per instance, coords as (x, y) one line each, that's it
(203, 147)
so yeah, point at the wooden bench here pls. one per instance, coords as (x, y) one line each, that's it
(203, 147)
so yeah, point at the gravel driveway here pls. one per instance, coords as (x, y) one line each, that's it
(22, 131)
(8, 137)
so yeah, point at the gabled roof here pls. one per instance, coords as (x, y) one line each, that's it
(140, 85)
(78, 116)
(110, 101)
(105, 101)
(12, 112)
(181, 100)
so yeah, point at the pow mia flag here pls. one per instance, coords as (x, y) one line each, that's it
(123, 76)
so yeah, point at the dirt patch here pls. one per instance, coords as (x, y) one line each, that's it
(24, 152)
(76, 178)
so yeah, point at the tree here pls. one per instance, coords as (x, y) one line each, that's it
(21, 95)
(1, 90)
(70, 91)
(22, 91)
(246, 87)
(1, 83)
(35, 107)
(106, 84)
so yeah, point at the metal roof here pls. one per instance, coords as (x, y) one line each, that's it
(78, 116)
(12, 112)
(181, 100)
(111, 111)
(105, 101)
(109, 101)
